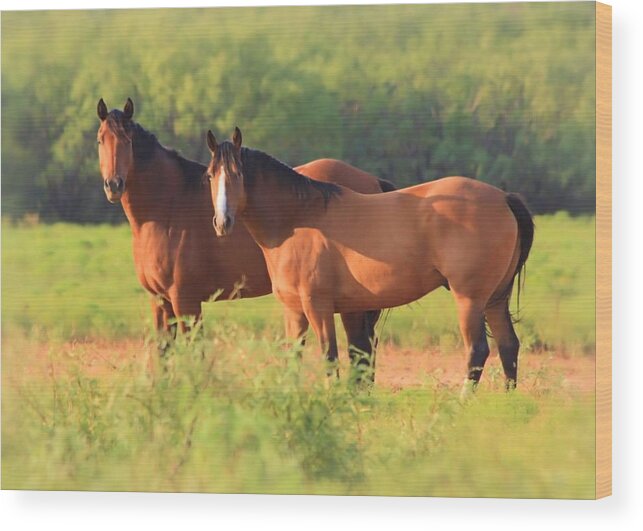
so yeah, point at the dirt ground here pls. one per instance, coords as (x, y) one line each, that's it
(400, 368)
(397, 368)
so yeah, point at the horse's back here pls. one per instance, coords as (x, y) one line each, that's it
(459, 199)
(468, 197)
(342, 173)
(455, 186)
(448, 202)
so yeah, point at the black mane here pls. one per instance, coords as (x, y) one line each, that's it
(303, 187)
(145, 143)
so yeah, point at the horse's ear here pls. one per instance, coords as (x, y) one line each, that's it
(128, 110)
(101, 110)
(212, 142)
(236, 138)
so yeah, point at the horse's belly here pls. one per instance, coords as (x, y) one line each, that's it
(384, 287)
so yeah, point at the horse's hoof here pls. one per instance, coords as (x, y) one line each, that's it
(468, 390)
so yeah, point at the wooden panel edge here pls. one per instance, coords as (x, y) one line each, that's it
(603, 250)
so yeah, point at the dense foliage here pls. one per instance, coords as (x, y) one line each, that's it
(503, 93)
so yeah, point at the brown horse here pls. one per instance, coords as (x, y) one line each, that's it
(329, 249)
(178, 258)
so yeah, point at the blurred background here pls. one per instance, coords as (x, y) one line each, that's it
(409, 93)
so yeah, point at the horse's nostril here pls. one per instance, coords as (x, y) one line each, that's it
(114, 185)
(222, 228)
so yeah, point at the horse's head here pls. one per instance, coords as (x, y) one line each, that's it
(226, 181)
(115, 152)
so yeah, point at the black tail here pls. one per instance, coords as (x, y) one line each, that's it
(525, 235)
(386, 186)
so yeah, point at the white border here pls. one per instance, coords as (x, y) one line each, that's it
(624, 510)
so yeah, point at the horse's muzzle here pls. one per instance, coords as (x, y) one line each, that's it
(223, 227)
(114, 189)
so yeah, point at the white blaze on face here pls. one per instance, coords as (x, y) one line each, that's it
(222, 200)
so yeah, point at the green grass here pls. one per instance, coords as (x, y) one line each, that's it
(238, 414)
(244, 416)
(72, 281)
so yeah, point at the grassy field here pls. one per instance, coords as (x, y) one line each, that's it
(71, 282)
(86, 404)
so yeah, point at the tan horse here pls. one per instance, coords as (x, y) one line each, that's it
(329, 249)
(177, 256)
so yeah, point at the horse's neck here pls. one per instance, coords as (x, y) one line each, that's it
(153, 191)
(272, 214)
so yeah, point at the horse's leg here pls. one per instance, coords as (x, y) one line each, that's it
(169, 319)
(296, 326)
(186, 308)
(471, 317)
(503, 332)
(162, 310)
(360, 331)
(189, 309)
(157, 311)
(165, 330)
(372, 317)
(322, 321)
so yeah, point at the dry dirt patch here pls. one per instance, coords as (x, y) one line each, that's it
(397, 368)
